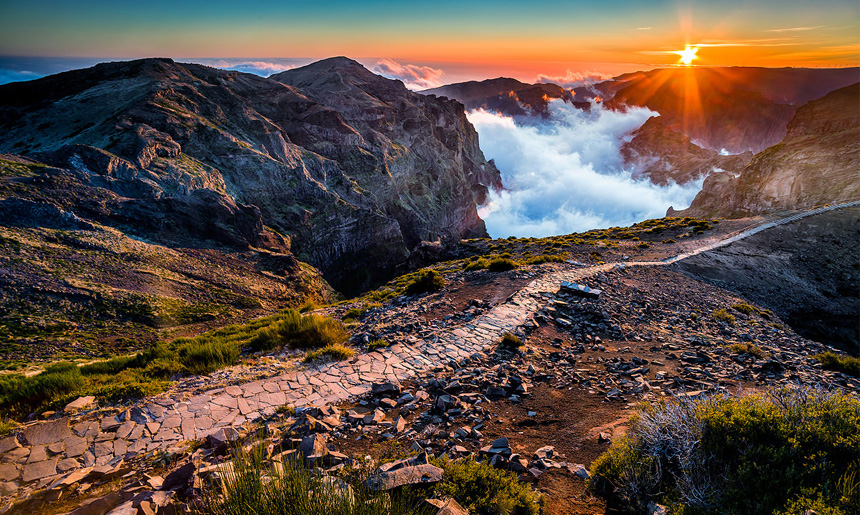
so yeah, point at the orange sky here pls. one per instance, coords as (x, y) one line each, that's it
(549, 37)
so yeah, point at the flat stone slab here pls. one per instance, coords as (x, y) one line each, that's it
(48, 432)
(9, 443)
(8, 472)
(38, 470)
(79, 404)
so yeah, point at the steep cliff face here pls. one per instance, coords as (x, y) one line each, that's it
(353, 168)
(817, 162)
(664, 155)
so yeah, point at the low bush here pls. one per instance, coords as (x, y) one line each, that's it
(427, 281)
(845, 364)
(332, 352)
(502, 265)
(554, 258)
(377, 344)
(756, 454)
(723, 316)
(748, 348)
(485, 490)
(746, 309)
(510, 341)
(480, 264)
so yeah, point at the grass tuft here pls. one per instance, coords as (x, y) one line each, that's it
(285, 487)
(332, 352)
(845, 364)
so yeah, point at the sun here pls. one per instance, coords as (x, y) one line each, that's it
(687, 55)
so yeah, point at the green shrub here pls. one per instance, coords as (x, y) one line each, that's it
(754, 455)
(746, 309)
(484, 490)
(845, 364)
(377, 344)
(426, 282)
(480, 264)
(510, 341)
(748, 348)
(643, 245)
(332, 352)
(502, 265)
(537, 260)
(723, 316)
(207, 357)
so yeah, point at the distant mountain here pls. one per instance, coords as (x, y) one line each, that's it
(348, 170)
(736, 109)
(505, 95)
(817, 162)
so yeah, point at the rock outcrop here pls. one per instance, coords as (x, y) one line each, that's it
(354, 169)
(664, 155)
(818, 162)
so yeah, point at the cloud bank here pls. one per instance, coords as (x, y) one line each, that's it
(7, 76)
(566, 175)
(574, 79)
(261, 68)
(415, 77)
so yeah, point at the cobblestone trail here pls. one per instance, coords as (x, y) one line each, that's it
(50, 450)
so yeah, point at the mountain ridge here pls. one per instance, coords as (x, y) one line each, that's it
(266, 143)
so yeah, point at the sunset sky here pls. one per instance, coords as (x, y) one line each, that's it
(462, 39)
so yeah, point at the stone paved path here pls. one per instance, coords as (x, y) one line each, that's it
(54, 448)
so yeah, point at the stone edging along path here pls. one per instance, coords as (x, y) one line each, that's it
(50, 452)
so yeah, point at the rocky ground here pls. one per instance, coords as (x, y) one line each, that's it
(444, 386)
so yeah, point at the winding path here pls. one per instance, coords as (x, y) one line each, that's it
(55, 449)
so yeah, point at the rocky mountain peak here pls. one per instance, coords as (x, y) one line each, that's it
(345, 163)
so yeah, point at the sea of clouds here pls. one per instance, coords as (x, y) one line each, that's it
(565, 174)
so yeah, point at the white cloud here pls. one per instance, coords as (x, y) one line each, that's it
(574, 79)
(796, 29)
(7, 76)
(261, 68)
(415, 77)
(566, 174)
